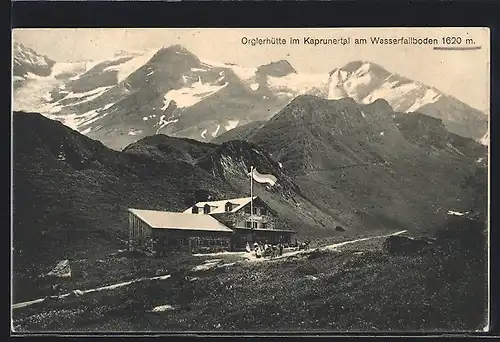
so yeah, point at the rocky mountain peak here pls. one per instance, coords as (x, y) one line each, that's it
(26, 60)
(363, 67)
(279, 68)
(174, 53)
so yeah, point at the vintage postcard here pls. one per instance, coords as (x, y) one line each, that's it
(250, 180)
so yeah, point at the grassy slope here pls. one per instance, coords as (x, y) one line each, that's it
(442, 289)
(77, 207)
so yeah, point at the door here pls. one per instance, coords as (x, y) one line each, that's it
(194, 244)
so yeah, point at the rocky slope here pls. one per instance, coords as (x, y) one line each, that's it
(26, 61)
(172, 91)
(372, 167)
(366, 82)
(71, 193)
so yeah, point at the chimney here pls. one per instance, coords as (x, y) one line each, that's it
(206, 209)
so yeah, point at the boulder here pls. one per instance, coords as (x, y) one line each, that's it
(339, 229)
(61, 270)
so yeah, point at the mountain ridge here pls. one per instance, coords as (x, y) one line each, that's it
(169, 90)
(72, 193)
(339, 152)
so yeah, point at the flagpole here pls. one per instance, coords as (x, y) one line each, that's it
(251, 196)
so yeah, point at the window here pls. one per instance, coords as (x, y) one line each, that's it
(264, 225)
(195, 209)
(255, 224)
(263, 211)
(254, 211)
(248, 210)
(206, 209)
(229, 206)
(248, 224)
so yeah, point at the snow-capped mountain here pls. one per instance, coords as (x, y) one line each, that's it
(366, 82)
(168, 91)
(27, 62)
(172, 91)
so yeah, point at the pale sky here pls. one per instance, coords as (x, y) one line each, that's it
(464, 74)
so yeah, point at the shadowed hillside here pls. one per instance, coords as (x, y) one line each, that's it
(71, 193)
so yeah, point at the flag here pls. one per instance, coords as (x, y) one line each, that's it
(262, 178)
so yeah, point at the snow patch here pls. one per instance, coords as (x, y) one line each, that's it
(145, 118)
(254, 86)
(298, 83)
(363, 69)
(382, 133)
(244, 73)
(203, 133)
(456, 213)
(186, 97)
(109, 105)
(88, 95)
(126, 68)
(134, 132)
(453, 148)
(363, 114)
(281, 165)
(480, 160)
(163, 308)
(162, 123)
(430, 96)
(61, 270)
(485, 139)
(393, 94)
(336, 80)
(34, 95)
(214, 134)
(198, 69)
(90, 117)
